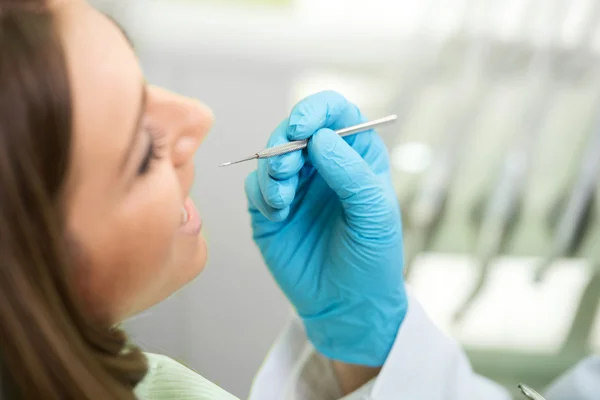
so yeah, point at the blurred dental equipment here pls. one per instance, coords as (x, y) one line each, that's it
(501, 210)
(426, 209)
(578, 337)
(301, 144)
(575, 218)
(574, 221)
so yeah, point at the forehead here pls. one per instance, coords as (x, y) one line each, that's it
(105, 85)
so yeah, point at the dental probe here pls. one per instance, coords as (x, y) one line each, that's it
(301, 144)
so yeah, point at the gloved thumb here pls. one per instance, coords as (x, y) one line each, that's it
(360, 190)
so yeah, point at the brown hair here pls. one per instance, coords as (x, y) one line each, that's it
(49, 348)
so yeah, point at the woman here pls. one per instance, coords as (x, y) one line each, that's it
(96, 226)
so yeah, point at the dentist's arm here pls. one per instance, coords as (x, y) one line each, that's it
(328, 225)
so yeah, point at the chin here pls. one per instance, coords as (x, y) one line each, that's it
(198, 260)
(190, 257)
(189, 261)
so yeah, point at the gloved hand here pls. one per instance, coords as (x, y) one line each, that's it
(328, 225)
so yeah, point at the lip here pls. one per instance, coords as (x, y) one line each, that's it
(193, 226)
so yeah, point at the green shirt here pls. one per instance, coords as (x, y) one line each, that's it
(170, 380)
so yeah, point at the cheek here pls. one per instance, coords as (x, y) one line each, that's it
(135, 255)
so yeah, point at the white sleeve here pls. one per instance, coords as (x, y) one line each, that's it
(580, 383)
(426, 364)
(423, 364)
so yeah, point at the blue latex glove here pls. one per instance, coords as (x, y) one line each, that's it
(328, 225)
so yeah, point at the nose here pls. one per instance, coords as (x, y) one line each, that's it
(186, 122)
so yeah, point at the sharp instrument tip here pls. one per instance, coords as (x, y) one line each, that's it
(253, 157)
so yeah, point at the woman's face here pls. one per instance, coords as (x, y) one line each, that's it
(131, 171)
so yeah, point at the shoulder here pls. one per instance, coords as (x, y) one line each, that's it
(168, 379)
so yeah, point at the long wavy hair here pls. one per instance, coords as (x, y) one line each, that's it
(49, 347)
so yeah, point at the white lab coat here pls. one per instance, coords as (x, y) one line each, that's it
(424, 364)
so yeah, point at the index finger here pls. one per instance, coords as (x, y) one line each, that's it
(326, 109)
(287, 165)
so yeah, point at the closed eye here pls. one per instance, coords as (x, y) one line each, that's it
(153, 152)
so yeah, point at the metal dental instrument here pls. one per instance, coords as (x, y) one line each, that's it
(301, 144)
(530, 393)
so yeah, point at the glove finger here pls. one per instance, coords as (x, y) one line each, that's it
(367, 203)
(331, 110)
(287, 165)
(278, 194)
(257, 201)
(372, 149)
(326, 109)
(339, 164)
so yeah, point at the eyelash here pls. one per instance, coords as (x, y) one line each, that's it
(154, 152)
